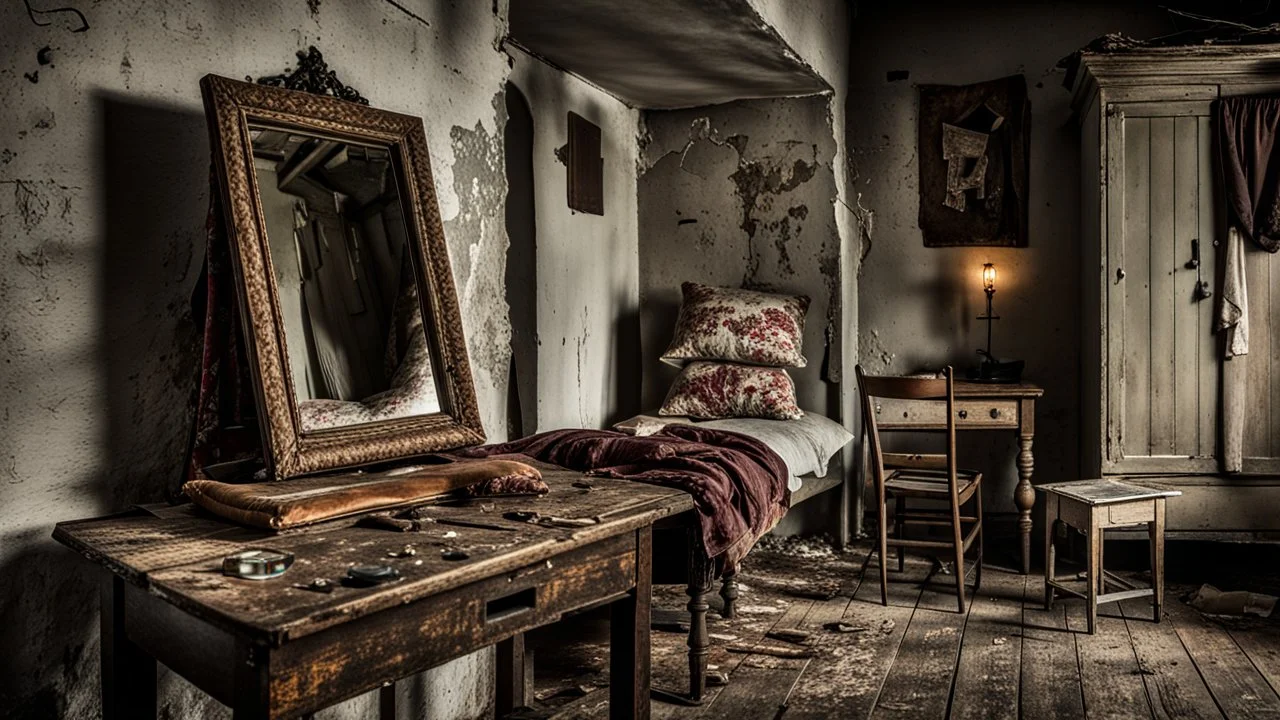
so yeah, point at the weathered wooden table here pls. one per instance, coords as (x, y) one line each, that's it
(274, 649)
(979, 406)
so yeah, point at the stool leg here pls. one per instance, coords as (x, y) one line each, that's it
(1102, 563)
(1155, 534)
(1050, 553)
(1095, 561)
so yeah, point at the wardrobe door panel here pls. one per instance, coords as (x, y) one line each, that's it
(1262, 385)
(1163, 382)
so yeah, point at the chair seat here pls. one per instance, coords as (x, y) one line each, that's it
(931, 483)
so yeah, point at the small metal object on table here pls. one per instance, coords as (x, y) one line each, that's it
(1092, 506)
(281, 649)
(979, 406)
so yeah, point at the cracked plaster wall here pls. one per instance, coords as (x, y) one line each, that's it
(743, 195)
(103, 188)
(918, 305)
(588, 330)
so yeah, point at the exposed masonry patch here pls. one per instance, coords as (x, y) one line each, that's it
(756, 183)
(865, 216)
(873, 354)
(478, 245)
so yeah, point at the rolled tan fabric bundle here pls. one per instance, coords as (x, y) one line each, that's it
(303, 501)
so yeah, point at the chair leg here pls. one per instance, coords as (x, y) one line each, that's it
(958, 541)
(884, 552)
(977, 576)
(900, 507)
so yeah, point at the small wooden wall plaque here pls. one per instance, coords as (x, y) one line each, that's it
(586, 166)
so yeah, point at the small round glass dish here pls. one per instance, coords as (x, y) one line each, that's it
(257, 564)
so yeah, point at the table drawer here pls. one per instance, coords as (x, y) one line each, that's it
(1131, 513)
(394, 643)
(931, 414)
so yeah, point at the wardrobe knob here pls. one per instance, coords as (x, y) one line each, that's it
(963, 414)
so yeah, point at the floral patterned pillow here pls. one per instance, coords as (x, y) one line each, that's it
(742, 326)
(710, 390)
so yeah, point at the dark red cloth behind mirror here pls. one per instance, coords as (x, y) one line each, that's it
(226, 423)
(1247, 134)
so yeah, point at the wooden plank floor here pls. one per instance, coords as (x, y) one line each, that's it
(1007, 657)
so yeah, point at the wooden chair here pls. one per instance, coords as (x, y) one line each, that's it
(929, 476)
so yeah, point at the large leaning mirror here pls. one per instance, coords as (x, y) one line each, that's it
(350, 310)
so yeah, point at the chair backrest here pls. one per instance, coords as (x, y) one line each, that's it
(940, 390)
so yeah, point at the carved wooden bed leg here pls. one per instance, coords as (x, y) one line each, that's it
(700, 572)
(729, 591)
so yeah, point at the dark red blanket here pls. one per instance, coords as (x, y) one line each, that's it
(739, 485)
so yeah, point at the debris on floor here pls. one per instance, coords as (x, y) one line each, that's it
(1212, 601)
(786, 635)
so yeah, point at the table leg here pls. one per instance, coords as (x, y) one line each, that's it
(128, 672)
(629, 639)
(1024, 496)
(387, 701)
(700, 572)
(515, 674)
(252, 698)
(729, 593)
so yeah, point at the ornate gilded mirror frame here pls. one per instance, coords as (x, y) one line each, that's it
(232, 106)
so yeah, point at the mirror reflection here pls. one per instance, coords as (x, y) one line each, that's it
(342, 260)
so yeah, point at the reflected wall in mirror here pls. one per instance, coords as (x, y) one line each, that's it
(348, 302)
(351, 316)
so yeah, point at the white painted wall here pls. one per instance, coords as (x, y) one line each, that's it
(588, 281)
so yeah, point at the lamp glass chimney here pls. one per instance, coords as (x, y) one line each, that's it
(989, 278)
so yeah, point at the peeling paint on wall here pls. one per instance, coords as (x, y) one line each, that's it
(478, 242)
(757, 177)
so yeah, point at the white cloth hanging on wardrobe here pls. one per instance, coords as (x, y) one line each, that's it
(1233, 310)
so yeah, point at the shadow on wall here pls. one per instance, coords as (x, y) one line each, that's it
(153, 169)
(630, 361)
(155, 178)
(522, 266)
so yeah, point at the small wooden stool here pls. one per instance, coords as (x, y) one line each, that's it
(1092, 506)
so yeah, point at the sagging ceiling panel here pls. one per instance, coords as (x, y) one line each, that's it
(664, 54)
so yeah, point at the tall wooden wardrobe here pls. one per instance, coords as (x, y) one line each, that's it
(1160, 402)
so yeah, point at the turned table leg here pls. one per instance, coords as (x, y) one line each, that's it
(700, 572)
(1024, 495)
(729, 592)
